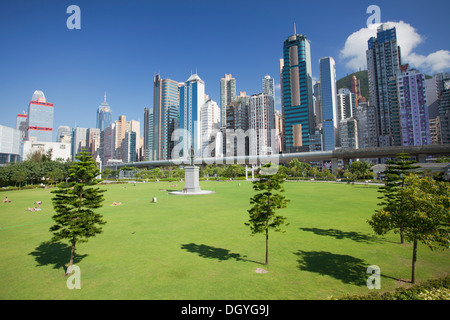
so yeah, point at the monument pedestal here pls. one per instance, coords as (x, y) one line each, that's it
(191, 183)
(191, 176)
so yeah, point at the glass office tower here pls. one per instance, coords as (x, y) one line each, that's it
(297, 95)
(40, 118)
(104, 115)
(165, 111)
(192, 98)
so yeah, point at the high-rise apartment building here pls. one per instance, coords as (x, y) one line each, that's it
(329, 103)
(367, 126)
(348, 133)
(93, 141)
(210, 118)
(104, 115)
(40, 118)
(192, 98)
(227, 95)
(345, 104)
(129, 147)
(166, 101)
(444, 113)
(261, 125)
(435, 130)
(236, 134)
(296, 95)
(413, 109)
(383, 62)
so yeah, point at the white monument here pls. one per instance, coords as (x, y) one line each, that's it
(191, 178)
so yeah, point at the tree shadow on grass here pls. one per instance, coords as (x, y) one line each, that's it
(345, 268)
(56, 254)
(211, 252)
(339, 234)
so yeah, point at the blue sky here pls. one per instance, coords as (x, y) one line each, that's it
(122, 44)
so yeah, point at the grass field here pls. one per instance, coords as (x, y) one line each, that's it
(198, 247)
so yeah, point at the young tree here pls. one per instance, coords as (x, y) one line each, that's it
(426, 215)
(74, 204)
(427, 203)
(262, 216)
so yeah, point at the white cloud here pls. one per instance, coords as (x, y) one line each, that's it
(354, 51)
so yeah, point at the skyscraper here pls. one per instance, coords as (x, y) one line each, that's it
(104, 115)
(444, 113)
(329, 103)
(348, 133)
(383, 62)
(79, 143)
(129, 147)
(93, 141)
(192, 98)
(210, 118)
(108, 143)
(165, 110)
(318, 114)
(268, 87)
(297, 100)
(227, 95)
(345, 104)
(148, 134)
(261, 114)
(367, 126)
(120, 129)
(356, 90)
(40, 118)
(236, 140)
(414, 120)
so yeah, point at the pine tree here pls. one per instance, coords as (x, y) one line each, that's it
(395, 173)
(74, 204)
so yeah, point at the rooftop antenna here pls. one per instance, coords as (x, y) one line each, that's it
(105, 96)
(295, 29)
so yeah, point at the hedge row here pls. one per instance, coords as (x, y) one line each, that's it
(438, 289)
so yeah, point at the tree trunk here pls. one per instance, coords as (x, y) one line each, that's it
(414, 259)
(267, 246)
(72, 255)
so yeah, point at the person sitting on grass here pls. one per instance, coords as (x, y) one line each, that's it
(6, 200)
(116, 203)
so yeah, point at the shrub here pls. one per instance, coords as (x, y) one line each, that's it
(438, 289)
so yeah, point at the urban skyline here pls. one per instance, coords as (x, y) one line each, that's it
(77, 91)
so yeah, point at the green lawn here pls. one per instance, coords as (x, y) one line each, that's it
(198, 247)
